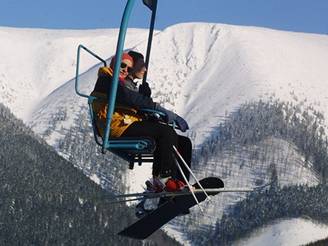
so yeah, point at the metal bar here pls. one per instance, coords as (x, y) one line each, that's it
(183, 193)
(127, 200)
(189, 185)
(90, 101)
(93, 54)
(150, 38)
(122, 146)
(118, 57)
(77, 71)
(141, 196)
(190, 171)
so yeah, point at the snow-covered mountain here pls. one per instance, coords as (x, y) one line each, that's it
(202, 71)
(288, 232)
(38, 61)
(205, 72)
(45, 200)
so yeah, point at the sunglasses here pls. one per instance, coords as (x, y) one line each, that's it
(124, 65)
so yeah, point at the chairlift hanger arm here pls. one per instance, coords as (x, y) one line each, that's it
(113, 89)
(152, 5)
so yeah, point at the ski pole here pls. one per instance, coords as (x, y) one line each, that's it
(190, 171)
(190, 187)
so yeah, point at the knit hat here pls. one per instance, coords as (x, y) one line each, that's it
(125, 56)
(136, 56)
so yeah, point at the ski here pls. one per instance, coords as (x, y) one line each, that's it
(154, 195)
(169, 209)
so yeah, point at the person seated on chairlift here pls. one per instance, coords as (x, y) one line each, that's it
(127, 121)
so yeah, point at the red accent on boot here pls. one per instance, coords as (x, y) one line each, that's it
(180, 184)
(173, 185)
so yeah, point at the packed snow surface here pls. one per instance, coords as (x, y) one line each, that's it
(293, 232)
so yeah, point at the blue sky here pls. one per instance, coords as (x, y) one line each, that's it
(293, 15)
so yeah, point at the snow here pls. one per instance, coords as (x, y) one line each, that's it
(236, 171)
(95, 178)
(292, 232)
(173, 231)
(38, 61)
(136, 178)
(202, 71)
(206, 70)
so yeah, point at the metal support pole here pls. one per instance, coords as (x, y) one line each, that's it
(113, 89)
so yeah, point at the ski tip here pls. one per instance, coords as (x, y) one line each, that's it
(124, 233)
(213, 182)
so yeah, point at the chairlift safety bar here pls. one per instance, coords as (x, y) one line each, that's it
(77, 72)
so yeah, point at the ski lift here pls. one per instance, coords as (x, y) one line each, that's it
(130, 149)
(141, 149)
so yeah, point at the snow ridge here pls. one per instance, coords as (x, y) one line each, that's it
(202, 71)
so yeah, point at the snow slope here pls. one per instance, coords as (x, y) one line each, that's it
(222, 65)
(291, 232)
(202, 71)
(38, 61)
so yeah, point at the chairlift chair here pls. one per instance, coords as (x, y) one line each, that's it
(130, 149)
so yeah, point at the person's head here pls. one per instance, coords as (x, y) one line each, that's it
(139, 67)
(125, 66)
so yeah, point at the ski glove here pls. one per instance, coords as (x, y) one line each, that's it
(181, 123)
(172, 118)
(144, 89)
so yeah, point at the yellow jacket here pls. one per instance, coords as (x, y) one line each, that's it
(122, 117)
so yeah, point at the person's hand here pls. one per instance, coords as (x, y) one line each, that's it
(181, 123)
(173, 118)
(144, 89)
(170, 116)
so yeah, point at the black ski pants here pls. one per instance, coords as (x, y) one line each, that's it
(165, 137)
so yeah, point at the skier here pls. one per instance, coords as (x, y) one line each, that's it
(100, 91)
(164, 135)
(128, 122)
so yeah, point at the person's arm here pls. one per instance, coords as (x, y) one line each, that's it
(145, 90)
(134, 99)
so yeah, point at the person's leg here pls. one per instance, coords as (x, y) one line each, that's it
(165, 137)
(185, 148)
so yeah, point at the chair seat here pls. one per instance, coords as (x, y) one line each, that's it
(122, 148)
(133, 145)
(131, 149)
